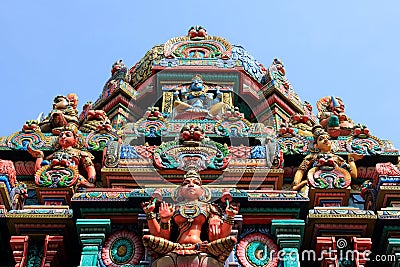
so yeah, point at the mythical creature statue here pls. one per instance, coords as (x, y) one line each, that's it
(93, 120)
(61, 169)
(192, 232)
(332, 118)
(64, 112)
(197, 32)
(197, 102)
(191, 134)
(322, 168)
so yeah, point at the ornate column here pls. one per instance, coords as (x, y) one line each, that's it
(53, 250)
(394, 248)
(92, 233)
(326, 251)
(289, 235)
(19, 245)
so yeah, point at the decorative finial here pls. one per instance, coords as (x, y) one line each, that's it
(197, 33)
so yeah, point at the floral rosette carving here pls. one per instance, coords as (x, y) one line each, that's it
(257, 250)
(122, 248)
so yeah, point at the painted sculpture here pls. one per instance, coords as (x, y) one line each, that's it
(197, 102)
(323, 169)
(302, 123)
(197, 32)
(64, 112)
(120, 78)
(91, 120)
(332, 117)
(18, 190)
(201, 234)
(61, 169)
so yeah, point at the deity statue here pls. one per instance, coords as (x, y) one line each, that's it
(64, 112)
(323, 168)
(192, 232)
(120, 78)
(332, 117)
(197, 102)
(61, 169)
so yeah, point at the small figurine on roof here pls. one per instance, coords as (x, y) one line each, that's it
(332, 117)
(64, 112)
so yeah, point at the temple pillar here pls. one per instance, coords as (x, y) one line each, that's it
(394, 248)
(363, 247)
(326, 251)
(397, 260)
(19, 246)
(92, 233)
(53, 250)
(289, 236)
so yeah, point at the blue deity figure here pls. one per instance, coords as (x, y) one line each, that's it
(197, 102)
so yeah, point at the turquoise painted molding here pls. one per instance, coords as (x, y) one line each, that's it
(393, 246)
(288, 227)
(92, 233)
(289, 235)
(397, 262)
(290, 257)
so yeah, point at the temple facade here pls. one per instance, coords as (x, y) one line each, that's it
(198, 155)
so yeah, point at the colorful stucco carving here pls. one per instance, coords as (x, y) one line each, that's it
(197, 155)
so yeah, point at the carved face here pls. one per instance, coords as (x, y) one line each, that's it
(60, 103)
(67, 139)
(191, 189)
(197, 85)
(323, 143)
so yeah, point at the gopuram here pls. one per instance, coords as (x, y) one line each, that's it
(198, 155)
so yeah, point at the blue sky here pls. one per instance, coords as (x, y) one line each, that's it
(348, 49)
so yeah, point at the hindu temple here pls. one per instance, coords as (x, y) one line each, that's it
(198, 155)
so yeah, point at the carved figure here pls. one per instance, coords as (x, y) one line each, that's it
(202, 234)
(197, 32)
(94, 120)
(18, 195)
(61, 169)
(197, 102)
(120, 77)
(64, 112)
(191, 134)
(18, 190)
(303, 123)
(323, 168)
(332, 118)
